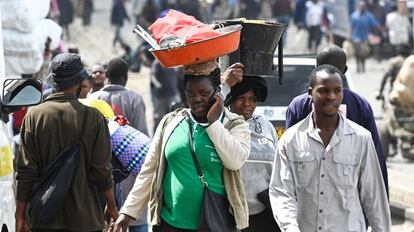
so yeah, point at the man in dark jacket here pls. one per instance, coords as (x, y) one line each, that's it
(118, 15)
(66, 16)
(49, 128)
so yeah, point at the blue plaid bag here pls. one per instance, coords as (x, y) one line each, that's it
(129, 148)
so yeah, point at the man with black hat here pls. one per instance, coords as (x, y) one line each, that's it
(257, 170)
(48, 129)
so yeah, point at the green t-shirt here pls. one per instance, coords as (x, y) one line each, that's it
(183, 191)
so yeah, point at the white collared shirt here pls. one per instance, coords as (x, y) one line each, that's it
(316, 188)
(399, 28)
(314, 13)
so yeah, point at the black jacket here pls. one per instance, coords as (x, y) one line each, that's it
(118, 13)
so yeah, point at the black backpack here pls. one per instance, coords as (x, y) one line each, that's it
(50, 191)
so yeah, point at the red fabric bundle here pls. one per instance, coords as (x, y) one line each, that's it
(184, 26)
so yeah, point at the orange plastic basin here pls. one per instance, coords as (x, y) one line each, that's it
(200, 51)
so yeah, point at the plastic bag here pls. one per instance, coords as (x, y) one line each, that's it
(23, 52)
(23, 15)
(183, 26)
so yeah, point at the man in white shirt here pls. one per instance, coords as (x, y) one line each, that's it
(314, 15)
(326, 172)
(399, 28)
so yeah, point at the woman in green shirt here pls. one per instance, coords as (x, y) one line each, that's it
(169, 179)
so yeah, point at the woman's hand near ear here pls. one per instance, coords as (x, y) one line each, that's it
(215, 110)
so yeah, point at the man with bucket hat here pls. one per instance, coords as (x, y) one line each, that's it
(47, 130)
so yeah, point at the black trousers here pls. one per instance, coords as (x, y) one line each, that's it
(262, 222)
(314, 39)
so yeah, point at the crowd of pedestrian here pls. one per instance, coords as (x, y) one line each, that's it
(268, 183)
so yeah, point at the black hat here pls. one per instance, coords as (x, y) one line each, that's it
(257, 84)
(66, 70)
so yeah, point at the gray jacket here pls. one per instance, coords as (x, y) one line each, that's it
(318, 188)
(257, 170)
(125, 102)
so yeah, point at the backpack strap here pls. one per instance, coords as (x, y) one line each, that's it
(85, 117)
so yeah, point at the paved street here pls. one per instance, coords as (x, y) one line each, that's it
(95, 45)
(399, 225)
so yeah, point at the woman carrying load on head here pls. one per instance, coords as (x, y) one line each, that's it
(169, 180)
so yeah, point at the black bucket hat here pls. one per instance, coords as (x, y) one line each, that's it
(257, 84)
(66, 70)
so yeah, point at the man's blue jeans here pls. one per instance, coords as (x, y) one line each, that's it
(141, 228)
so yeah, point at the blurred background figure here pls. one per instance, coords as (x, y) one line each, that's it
(394, 66)
(189, 7)
(66, 12)
(299, 15)
(249, 9)
(164, 92)
(376, 36)
(98, 77)
(225, 9)
(163, 85)
(145, 12)
(398, 26)
(87, 12)
(118, 15)
(362, 22)
(137, 8)
(149, 14)
(282, 11)
(378, 11)
(86, 87)
(314, 13)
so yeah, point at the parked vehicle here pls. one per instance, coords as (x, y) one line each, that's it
(297, 71)
(16, 93)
